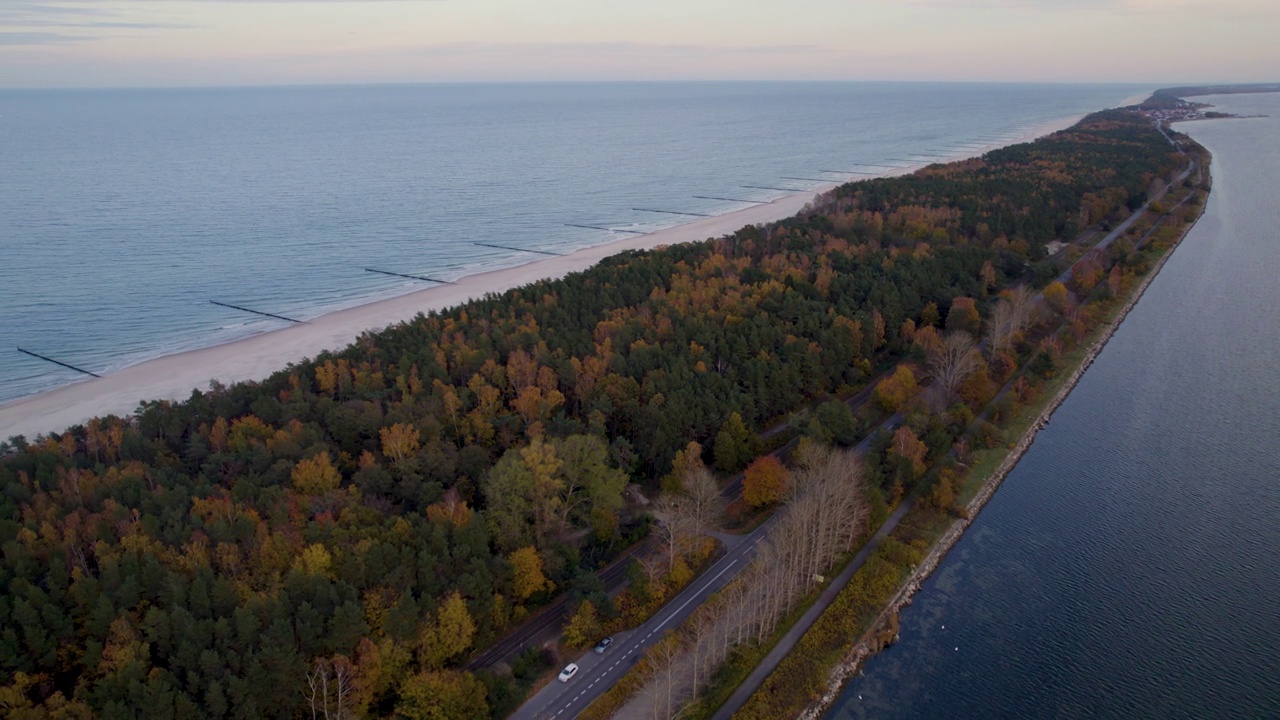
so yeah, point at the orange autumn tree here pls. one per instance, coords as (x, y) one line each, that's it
(894, 392)
(765, 481)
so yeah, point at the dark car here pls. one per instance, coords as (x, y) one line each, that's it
(603, 645)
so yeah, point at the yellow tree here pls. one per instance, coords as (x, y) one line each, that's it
(314, 560)
(400, 442)
(442, 695)
(1055, 296)
(894, 392)
(583, 627)
(527, 566)
(315, 475)
(449, 635)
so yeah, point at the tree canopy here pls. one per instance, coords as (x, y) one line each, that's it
(387, 508)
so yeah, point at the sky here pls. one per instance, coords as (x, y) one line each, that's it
(148, 43)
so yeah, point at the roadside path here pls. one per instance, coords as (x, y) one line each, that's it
(788, 641)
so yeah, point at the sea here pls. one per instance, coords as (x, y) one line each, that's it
(124, 213)
(1127, 567)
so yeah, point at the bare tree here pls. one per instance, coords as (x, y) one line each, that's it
(703, 499)
(677, 528)
(825, 515)
(949, 365)
(664, 659)
(1011, 314)
(701, 633)
(330, 684)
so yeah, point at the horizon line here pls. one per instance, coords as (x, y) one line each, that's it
(689, 81)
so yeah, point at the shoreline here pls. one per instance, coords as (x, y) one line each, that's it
(256, 357)
(872, 640)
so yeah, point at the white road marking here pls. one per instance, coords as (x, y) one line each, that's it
(695, 596)
(638, 646)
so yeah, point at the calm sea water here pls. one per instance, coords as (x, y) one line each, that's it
(1127, 568)
(122, 213)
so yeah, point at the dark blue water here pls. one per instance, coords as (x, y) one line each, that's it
(1127, 568)
(123, 212)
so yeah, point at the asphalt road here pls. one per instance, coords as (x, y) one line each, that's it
(550, 618)
(597, 673)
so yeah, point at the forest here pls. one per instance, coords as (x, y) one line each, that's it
(338, 539)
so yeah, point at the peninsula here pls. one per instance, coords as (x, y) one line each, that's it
(348, 534)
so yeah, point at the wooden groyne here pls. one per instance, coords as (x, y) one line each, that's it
(712, 197)
(505, 247)
(405, 275)
(59, 362)
(602, 227)
(671, 212)
(258, 312)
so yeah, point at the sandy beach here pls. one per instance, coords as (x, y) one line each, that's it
(256, 357)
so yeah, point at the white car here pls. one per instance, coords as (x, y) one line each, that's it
(568, 672)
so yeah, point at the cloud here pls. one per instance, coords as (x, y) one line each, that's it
(1033, 5)
(17, 12)
(1237, 9)
(580, 51)
(543, 61)
(36, 22)
(39, 38)
(16, 17)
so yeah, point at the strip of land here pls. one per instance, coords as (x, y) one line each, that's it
(387, 511)
(173, 377)
(789, 639)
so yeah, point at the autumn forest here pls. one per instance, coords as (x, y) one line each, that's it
(364, 522)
